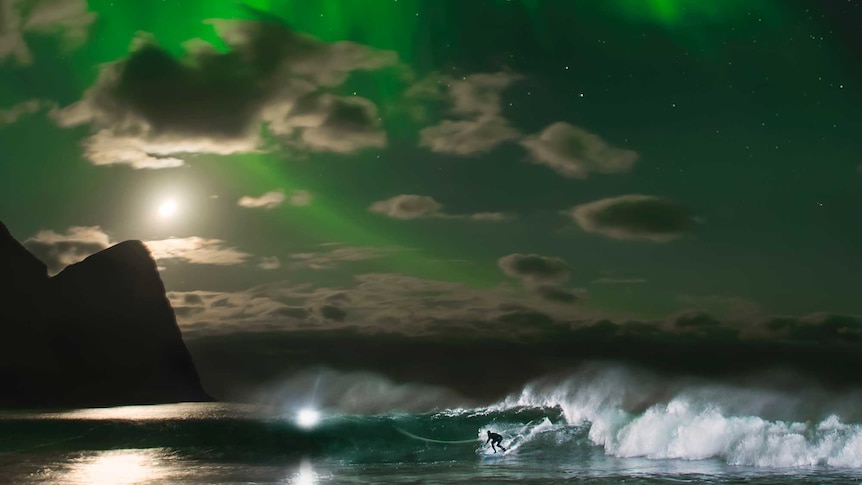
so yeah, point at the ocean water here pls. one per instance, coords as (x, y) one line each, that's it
(595, 426)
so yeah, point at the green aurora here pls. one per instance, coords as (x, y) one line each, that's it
(743, 112)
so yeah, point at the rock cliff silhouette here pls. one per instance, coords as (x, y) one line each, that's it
(100, 333)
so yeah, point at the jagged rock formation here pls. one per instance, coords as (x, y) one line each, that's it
(100, 333)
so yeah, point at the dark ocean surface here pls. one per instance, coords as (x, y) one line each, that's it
(600, 427)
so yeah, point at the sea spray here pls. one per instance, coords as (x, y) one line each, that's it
(631, 413)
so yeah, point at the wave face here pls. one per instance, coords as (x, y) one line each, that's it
(768, 421)
(600, 412)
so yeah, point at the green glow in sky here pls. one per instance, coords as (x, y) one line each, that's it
(742, 111)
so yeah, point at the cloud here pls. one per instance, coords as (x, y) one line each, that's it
(535, 268)
(467, 137)
(726, 308)
(67, 19)
(634, 216)
(197, 250)
(14, 113)
(490, 216)
(574, 152)
(817, 328)
(269, 263)
(407, 206)
(620, 281)
(60, 250)
(541, 275)
(331, 259)
(331, 123)
(374, 303)
(301, 198)
(411, 206)
(476, 104)
(269, 200)
(151, 109)
(557, 293)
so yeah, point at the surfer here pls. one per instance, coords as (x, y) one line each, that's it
(494, 438)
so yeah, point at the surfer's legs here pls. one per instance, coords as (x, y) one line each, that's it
(492, 447)
(501, 447)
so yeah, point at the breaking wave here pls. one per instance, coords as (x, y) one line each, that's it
(769, 421)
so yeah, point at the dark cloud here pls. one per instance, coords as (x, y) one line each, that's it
(151, 108)
(222, 302)
(545, 345)
(193, 299)
(534, 267)
(695, 319)
(332, 312)
(821, 328)
(634, 216)
(574, 152)
(541, 275)
(557, 293)
(290, 312)
(526, 318)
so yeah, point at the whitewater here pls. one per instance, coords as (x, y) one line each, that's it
(601, 423)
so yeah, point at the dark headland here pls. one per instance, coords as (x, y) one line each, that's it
(100, 333)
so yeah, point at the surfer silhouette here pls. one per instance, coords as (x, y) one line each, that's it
(494, 438)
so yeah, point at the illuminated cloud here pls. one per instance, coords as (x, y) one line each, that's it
(407, 206)
(390, 303)
(269, 263)
(574, 152)
(332, 258)
(58, 250)
(467, 137)
(411, 206)
(67, 19)
(476, 103)
(218, 102)
(490, 216)
(14, 113)
(301, 198)
(269, 200)
(634, 216)
(197, 250)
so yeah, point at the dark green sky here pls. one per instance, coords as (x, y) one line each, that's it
(712, 147)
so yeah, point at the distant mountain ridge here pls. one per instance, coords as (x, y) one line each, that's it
(100, 333)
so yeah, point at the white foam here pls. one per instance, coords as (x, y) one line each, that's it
(636, 415)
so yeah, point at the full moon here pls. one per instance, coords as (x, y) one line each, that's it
(168, 208)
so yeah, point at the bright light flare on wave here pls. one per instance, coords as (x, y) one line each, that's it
(307, 417)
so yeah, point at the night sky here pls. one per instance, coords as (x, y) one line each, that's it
(347, 183)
